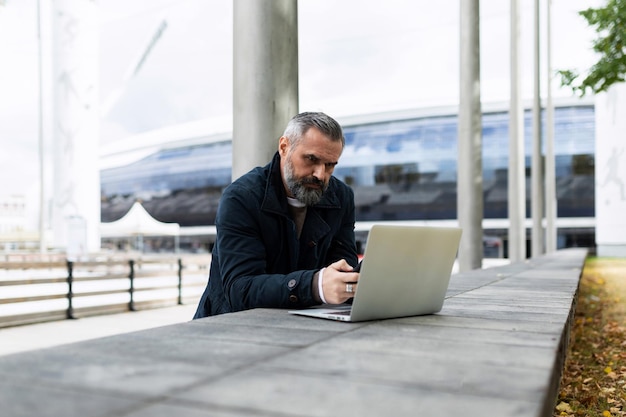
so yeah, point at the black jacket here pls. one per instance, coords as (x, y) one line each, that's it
(257, 260)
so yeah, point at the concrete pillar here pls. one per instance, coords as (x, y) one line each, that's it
(611, 172)
(469, 171)
(517, 168)
(76, 205)
(265, 78)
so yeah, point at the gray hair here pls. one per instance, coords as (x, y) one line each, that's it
(301, 123)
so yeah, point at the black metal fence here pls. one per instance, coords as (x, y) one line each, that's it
(57, 289)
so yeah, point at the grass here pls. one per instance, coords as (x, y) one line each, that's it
(594, 378)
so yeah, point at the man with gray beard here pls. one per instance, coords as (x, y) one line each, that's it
(285, 232)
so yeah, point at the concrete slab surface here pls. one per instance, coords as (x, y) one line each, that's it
(477, 357)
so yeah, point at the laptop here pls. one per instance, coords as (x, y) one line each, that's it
(405, 271)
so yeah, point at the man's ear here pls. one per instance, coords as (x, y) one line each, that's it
(283, 146)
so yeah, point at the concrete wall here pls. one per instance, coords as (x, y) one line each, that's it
(611, 172)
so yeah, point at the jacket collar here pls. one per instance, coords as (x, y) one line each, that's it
(275, 198)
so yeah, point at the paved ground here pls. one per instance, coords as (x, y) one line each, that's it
(37, 336)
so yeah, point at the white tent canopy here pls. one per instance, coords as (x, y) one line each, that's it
(138, 222)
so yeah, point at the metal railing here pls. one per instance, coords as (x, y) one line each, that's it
(56, 289)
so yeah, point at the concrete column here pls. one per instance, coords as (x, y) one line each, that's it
(76, 206)
(611, 172)
(265, 79)
(469, 171)
(537, 239)
(517, 168)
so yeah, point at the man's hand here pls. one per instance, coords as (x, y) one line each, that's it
(340, 283)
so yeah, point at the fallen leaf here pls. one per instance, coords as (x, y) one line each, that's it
(564, 407)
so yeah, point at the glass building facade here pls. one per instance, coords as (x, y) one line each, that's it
(399, 169)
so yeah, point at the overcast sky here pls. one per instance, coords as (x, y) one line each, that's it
(355, 57)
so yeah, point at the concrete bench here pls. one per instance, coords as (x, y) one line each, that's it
(496, 349)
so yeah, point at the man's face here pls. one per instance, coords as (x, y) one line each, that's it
(307, 167)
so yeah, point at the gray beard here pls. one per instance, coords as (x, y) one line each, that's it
(300, 192)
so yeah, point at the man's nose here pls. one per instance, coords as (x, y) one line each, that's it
(319, 171)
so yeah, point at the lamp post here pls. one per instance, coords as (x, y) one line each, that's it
(517, 171)
(551, 203)
(537, 166)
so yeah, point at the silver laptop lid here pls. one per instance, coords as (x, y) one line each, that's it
(406, 271)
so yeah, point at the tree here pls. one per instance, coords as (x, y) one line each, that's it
(610, 24)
